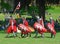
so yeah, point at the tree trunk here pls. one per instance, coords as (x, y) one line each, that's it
(41, 5)
(34, 5)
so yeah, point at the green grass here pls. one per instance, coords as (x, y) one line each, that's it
(31, 40)
(54, 16)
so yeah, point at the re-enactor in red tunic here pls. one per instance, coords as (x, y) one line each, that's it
(51, 29)
(24, 27)
(39, 27)
(12, 26)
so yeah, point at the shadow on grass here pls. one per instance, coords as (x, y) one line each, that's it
(38, 37)
(10, 37)
(47, 37)
(42, 37)
(2, 31)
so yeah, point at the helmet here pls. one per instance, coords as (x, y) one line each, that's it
(37, 17)
(50, 17)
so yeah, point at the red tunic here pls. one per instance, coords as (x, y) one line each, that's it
(12, 27)
(51, 28)
(25, 22)
(39, 28)
(41, 22)
(24, 29)
(52, 23)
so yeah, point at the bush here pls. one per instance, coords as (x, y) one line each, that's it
(6, 6)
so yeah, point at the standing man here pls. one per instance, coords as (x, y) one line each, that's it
(51, 29)
(12, 27)
(40, 26)
(29, 29)
(25, 22)
(52, 21)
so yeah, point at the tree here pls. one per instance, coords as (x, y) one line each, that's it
(5, 5)
(41, 5)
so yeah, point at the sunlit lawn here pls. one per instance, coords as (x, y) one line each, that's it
(30, 40)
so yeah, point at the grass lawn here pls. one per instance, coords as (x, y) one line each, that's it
(31, 40)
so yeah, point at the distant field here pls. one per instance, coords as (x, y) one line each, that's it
(55, 12)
